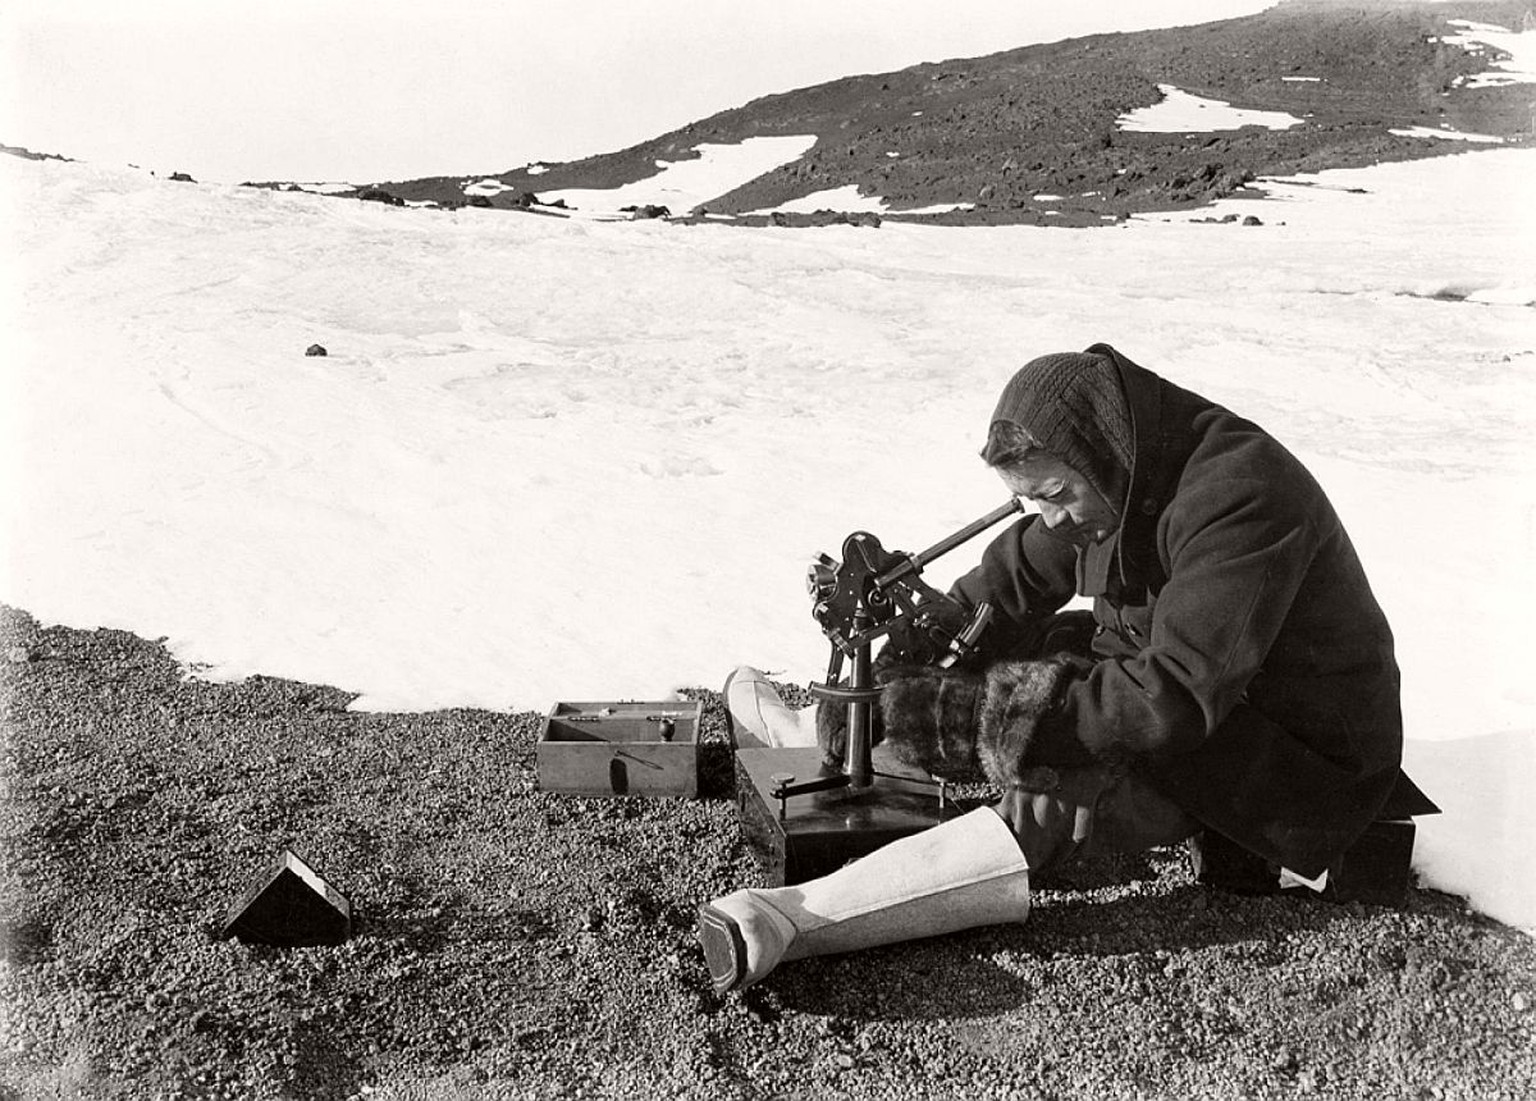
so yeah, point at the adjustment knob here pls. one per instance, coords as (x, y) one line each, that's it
(821, 577)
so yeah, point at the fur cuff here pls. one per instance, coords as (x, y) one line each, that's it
(930, 722)
(1021, 696)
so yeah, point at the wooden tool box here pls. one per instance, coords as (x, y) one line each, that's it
(624, 747)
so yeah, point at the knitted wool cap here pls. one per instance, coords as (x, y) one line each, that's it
(1074, 404)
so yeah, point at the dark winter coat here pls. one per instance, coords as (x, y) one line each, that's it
(1244, 666)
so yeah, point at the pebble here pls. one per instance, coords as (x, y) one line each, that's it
(1520, 1002)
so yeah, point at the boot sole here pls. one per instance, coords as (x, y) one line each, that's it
(725, 949)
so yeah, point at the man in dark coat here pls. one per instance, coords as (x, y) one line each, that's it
(1237, 676)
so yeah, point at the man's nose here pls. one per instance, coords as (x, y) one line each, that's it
(1052, 515)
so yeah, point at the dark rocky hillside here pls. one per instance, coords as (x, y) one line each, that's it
(997, 130)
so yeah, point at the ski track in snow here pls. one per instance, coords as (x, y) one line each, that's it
(554, 459)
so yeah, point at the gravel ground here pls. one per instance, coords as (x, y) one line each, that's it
(520, 944)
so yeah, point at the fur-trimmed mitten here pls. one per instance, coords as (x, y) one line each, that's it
(1020, 740)
(1001, 725)
(930, 719)
(926, 717)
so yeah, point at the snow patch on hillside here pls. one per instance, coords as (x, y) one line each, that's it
(844, 199)
(1179, 112)
(487, 187)
(849, 200)
(1445, 135)
(680, 186)
(1518, 68)
(326, 188)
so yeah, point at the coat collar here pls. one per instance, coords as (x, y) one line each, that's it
(1126, 565)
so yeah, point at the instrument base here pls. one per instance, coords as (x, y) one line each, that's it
(818, 832)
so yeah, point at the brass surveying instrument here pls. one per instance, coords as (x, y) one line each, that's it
(803, 828)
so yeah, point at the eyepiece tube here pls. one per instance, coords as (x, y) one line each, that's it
(914, 563)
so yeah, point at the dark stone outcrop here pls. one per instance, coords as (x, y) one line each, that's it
(379, 195)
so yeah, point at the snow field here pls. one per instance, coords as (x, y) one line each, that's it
(553, 459)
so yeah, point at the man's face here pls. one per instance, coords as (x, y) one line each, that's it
(1069, 505)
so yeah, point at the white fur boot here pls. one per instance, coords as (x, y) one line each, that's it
(959, 874)
(759, 718)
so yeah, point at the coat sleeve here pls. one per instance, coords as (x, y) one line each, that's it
(1237, 550)
(1024, 573)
